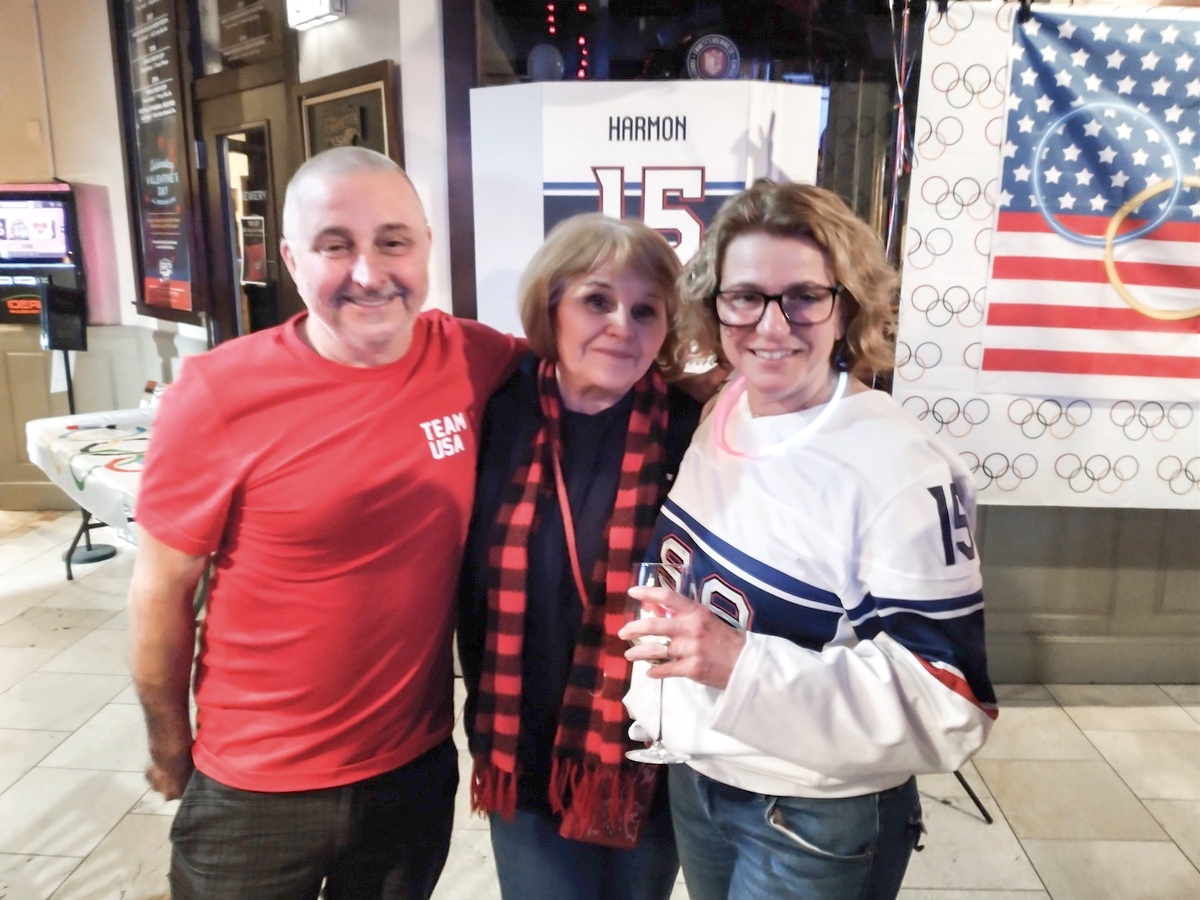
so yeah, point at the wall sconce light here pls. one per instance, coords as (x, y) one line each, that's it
(305, 14)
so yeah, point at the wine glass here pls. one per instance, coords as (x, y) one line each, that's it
(678, 578)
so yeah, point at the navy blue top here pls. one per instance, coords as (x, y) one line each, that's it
(592, 449)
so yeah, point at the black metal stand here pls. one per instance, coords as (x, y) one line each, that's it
(70, 384)
(89, 552)
(987, 817)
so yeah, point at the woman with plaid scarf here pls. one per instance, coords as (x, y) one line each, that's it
(577, 451)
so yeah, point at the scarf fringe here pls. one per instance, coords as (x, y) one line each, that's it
(493, 790)
(606, 797)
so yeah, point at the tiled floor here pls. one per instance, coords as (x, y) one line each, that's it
(1096, 790)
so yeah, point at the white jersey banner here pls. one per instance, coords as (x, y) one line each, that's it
(668, 152)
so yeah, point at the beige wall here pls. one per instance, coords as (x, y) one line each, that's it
(85, 129)
(423, 92)
(24, 118)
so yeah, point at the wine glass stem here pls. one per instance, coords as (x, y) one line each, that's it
(658, 739)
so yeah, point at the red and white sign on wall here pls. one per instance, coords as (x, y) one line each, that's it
(668, 152)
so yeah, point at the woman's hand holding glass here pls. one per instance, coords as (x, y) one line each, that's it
(700, 646)
(678, 578)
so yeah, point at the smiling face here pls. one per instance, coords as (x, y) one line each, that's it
(787, 367)
(609, 326)
(358, 250)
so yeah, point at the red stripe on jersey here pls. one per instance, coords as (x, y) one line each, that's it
(955, 683)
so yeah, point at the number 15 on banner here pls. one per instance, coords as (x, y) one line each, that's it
(662, 187)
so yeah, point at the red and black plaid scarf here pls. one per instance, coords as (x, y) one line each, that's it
(602, 797)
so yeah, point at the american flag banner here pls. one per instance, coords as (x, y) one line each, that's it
(1043, 436)
(1094, 278)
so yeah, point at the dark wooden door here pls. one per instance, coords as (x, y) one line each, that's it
(250, 152)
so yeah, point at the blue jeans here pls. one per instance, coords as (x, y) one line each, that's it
(535, 862)
(735, 845)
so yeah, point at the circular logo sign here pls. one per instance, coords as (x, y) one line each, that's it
(713, 56)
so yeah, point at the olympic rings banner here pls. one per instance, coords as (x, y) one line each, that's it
(1048, 321)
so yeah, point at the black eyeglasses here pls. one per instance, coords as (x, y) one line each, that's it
(809, 304)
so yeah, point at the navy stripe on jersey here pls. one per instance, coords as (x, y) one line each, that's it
(947, 608)
(955, 642)
(749, 567)
(749, 599)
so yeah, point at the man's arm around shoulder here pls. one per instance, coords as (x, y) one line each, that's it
(162, 640)
(492, 354)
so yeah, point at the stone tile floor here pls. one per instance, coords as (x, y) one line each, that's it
(1095, 788)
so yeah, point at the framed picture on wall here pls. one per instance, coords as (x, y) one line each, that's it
(154, 78)
(357, 108)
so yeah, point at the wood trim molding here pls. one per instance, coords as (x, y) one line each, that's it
(462, 74)
(384, 71)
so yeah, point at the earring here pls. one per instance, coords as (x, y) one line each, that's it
(841, 355)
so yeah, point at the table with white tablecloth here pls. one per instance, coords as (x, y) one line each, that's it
(96, 458)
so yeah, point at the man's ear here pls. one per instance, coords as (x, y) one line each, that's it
(289, 259)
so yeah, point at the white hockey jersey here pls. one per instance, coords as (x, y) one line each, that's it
(850, 561)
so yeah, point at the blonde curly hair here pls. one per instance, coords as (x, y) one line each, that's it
(854, 252)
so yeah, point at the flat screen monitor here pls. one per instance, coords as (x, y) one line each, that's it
(37, 225)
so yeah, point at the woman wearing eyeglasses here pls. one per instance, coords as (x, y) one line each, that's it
(837, 649)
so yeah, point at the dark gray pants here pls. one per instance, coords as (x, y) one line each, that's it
(385, 838)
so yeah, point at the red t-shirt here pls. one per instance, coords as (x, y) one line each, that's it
(337, 501)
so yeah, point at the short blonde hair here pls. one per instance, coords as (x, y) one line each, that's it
(582, 244)
(854, 252)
